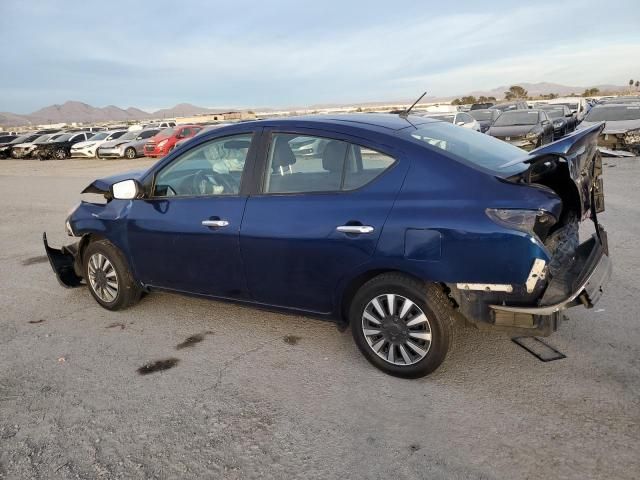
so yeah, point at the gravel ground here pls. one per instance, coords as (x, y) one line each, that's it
(264, 395)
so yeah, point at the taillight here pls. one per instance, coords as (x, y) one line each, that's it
(533, 222)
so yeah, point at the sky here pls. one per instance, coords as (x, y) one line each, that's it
(279, 53)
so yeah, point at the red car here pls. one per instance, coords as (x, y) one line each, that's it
(165, 141)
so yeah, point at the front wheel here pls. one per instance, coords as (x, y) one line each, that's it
(60, 154)
(107, 274)
(130, 153)
(402, 326)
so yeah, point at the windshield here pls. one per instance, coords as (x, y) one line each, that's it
(555, 113)
(65, 137)
(612, 114)
(21, 139)
(481, 114)
(471, 146)
(42, 138)
(505, 107)
(130, 135)
(147, 134)
(167, 132)
(517, 117)
(100, 136)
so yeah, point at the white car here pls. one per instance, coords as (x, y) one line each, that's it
(89, 148)
(461, 119)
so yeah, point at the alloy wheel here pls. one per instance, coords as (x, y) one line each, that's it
(396, 329)
(61, 154)
(130, 153)
(103, 277)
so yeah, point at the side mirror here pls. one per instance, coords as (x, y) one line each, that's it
(126, 190)
(460, 123)
(569, 114)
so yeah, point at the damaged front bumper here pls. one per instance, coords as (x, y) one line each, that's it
(64, 263)
(583, 282)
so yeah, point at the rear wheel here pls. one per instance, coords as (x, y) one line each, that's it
(130, 153)
(401, 325)
(108, 276)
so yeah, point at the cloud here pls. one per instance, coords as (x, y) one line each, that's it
(292, 53)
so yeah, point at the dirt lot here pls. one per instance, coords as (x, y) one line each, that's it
(265, 395)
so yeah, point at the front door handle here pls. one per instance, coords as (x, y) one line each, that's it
(358, 229)
(215, 223)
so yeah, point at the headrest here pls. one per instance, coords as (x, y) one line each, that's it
(334, 155)
(282, 154)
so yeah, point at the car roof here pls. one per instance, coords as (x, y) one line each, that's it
(367, 121)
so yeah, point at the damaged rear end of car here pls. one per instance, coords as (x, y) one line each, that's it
(564, 272)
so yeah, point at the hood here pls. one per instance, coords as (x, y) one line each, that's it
(103, 185)
(511, 130)
(615, 126)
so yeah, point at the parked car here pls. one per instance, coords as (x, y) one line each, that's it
(462, 119)
(525, 129)
(577, 105)
(205, 129)
(160, 125)
(5, 139)
(402, 221)
(482, 106)
(564, 121)
(7, 148)
(130, 145)
(89, 148)
(622, 129)
(507, 106)
(25, 150)
(60, 148)
(165, 141)
(485, 117)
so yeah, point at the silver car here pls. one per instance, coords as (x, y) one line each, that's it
(130, 145)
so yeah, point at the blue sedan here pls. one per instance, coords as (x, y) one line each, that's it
(392, 224)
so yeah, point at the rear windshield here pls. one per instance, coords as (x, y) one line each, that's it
(603, 114)
(517, 117)
(473, 147)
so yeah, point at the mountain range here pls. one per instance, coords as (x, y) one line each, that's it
(74, 111)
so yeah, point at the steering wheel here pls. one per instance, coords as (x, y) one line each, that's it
(204, 181)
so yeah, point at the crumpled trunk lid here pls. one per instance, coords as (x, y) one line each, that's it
(572, 167)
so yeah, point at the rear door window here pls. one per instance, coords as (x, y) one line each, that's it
(300, 163)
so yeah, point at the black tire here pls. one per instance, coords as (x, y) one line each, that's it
(130, 153)
(128, 290)
(429, 298)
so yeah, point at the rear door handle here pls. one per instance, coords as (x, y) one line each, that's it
(358, 229)
(215, 223)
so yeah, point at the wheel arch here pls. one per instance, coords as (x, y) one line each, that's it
(355, 283)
